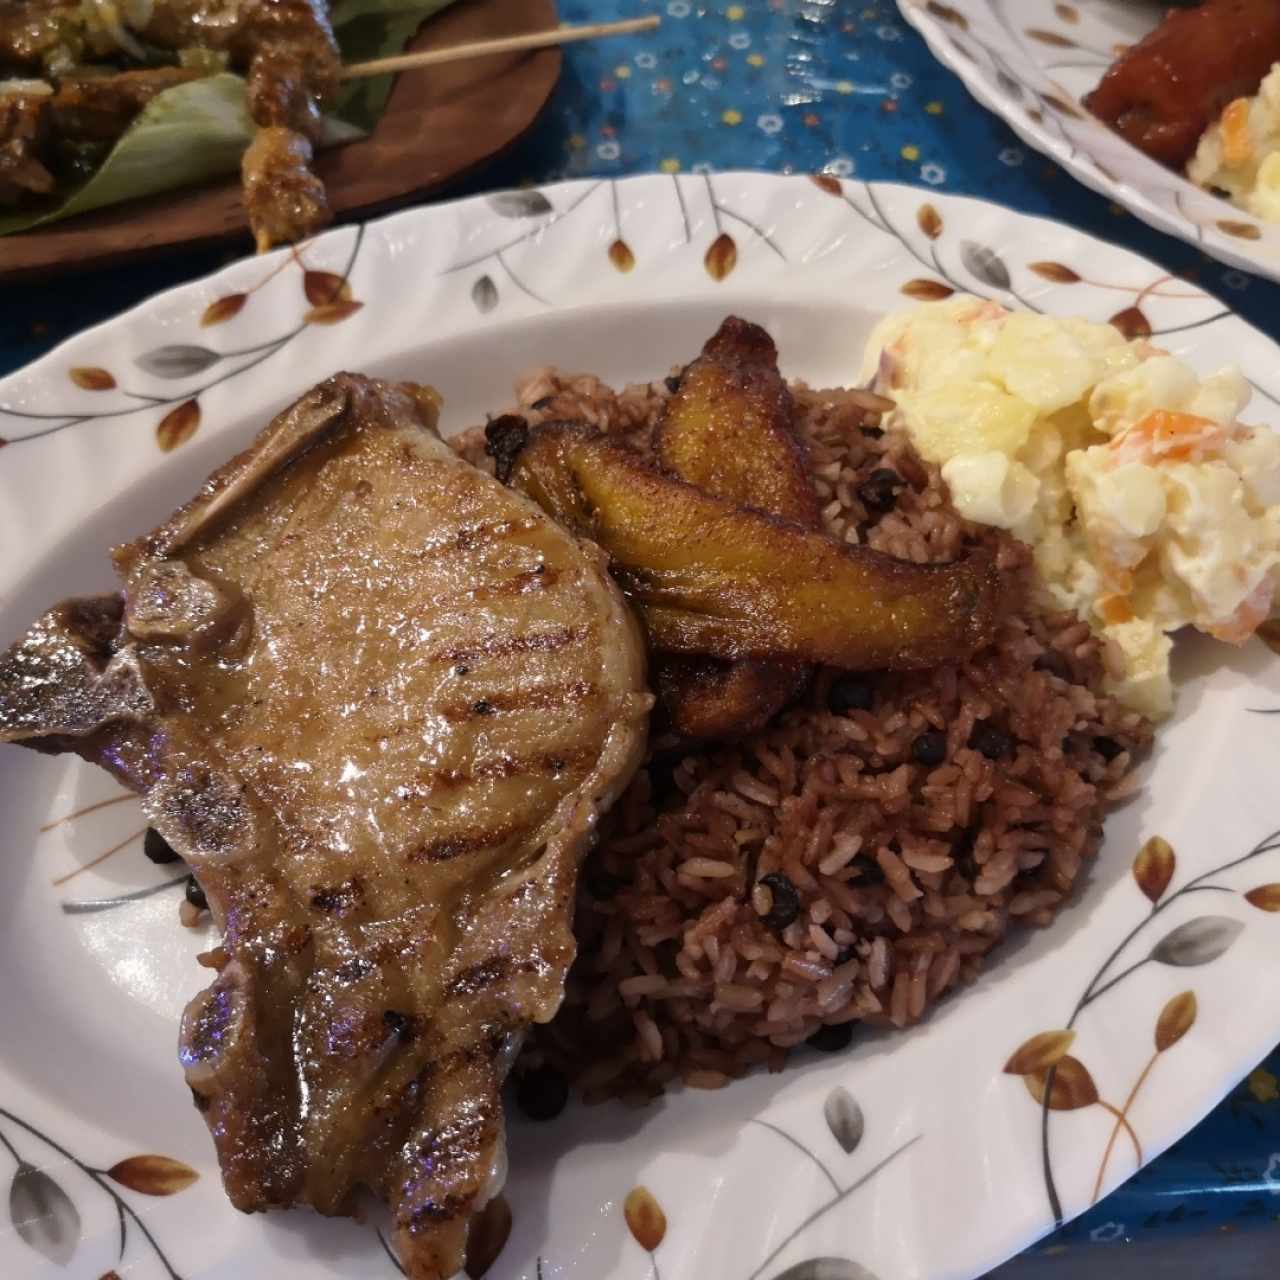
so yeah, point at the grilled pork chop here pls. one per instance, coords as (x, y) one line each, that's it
(377, 701)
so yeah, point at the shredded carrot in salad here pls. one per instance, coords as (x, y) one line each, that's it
(1166, 435)
(1237, 144)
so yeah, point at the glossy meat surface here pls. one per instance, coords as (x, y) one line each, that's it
(31, 31)
(24, 132)
(377, 701)
(101, 108)
(1164, 93)
(284, 199)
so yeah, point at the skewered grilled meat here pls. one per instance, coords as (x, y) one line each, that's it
(36, 35)
(293, 69)
(101, 108)
(1165, 92)
(64, 135)
(24, 137)
(284, 199)
(286, 48)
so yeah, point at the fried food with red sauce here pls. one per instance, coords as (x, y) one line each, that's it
(1170, 87)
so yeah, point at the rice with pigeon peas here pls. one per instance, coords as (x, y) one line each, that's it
(860, 856)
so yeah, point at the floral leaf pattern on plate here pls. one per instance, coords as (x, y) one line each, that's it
(929, 220)
(1051, 38)
(844, 1118)
(985, 264)
(177, 360)
(43, 1215)
(1176, 1019)
(487, 1237)
(1057, 272)
(1241, 230)
(1197, 942)
(927, 290)
(332, 312)
(647, 1222)
(721, 257)
(220, 310)
(324, 287)
(1039, 1053)
(484, 293)
(178, 425)
(89, 378)
(1010, 86)
(948, 14)
(621, 256)
(1153, 867)
(1132, 322)
(520, 204)
(1072, 1086)
(826, 1269)
(1266, 897)
(152, 1175)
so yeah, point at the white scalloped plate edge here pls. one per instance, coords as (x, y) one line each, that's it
(1081, 144)
(914, 1155)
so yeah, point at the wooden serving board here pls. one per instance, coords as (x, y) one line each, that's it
(439, 123)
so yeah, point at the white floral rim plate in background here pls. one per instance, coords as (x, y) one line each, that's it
(1032, 61)
(929, 1154)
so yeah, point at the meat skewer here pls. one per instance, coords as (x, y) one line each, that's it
(286, 49)
(290, 58)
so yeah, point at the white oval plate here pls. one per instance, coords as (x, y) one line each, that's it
(1031, 61)
(913, 1155)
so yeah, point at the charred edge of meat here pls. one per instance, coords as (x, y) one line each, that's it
(333, 1054)
(504, 437)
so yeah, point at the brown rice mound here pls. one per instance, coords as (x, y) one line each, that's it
(859, 857)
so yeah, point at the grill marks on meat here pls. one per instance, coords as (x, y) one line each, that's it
(394, 882)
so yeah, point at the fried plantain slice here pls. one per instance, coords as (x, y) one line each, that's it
(727, 430)
(708, 699)
(712, 578)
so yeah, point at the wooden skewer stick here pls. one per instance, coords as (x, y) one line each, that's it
(507, 44)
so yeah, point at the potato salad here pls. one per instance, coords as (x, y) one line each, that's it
(1239, 153)
(1148, 504)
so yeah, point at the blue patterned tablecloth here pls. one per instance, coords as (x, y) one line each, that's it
(845, 88)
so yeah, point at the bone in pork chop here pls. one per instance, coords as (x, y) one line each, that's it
(377, 701)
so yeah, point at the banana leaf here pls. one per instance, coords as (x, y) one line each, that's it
(197, 131)
(369, 29)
